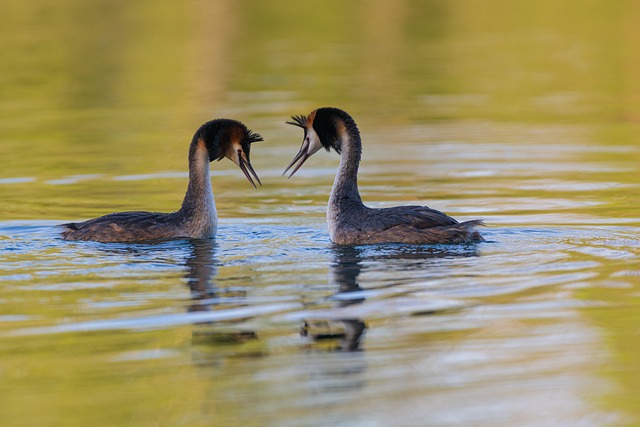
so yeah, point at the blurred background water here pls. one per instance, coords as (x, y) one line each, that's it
(525, 114)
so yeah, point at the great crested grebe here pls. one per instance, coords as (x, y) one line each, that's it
(350, 221)
(197, 218)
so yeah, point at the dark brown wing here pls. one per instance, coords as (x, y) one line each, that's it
(419, 217)
(121, 227)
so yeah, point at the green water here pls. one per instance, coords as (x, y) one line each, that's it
(525, 115)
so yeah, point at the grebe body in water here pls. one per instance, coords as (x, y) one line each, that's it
(197, 218)
(350, 221)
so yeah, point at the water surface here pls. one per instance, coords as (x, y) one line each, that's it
(519, 116)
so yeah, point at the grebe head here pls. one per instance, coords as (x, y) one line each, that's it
(325, 127)
(231, 139)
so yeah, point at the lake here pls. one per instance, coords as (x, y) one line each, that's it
(526, 116)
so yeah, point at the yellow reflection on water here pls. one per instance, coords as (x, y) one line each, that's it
(526, 113)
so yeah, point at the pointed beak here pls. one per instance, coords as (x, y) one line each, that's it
(302, 157)
(248, 171)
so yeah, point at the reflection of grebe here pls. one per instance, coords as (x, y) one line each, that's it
(343, 274)
(197, 217)
(350, 221)
(201, 266)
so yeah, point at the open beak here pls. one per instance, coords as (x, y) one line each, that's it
(248, 171)
(302, 156)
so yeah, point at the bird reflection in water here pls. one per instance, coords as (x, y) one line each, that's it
(343, 275)
(201, 264)
(201, 269)
(345, 269)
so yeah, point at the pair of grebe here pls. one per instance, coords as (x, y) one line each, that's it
(349, 220)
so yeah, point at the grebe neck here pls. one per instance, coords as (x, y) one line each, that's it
(345, 185)
(199, 203)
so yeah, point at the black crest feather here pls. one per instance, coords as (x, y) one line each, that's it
(300, 121)
(251, 137)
